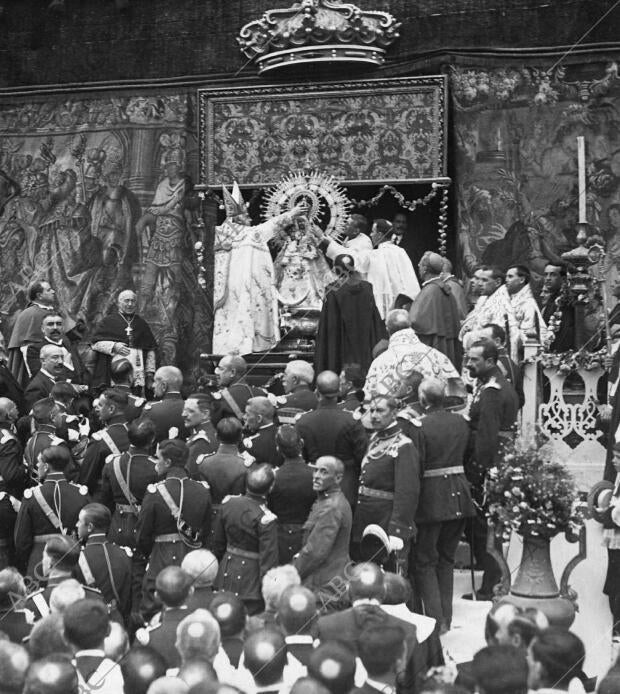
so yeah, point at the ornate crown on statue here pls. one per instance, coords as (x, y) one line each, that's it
(312, 31)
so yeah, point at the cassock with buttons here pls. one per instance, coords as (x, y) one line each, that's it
(132, 471)
(389, 486)
(109, 441)
(246, 545)
(160, 538)
(33, 527)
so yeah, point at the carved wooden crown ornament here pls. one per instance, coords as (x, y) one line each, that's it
(313, 31)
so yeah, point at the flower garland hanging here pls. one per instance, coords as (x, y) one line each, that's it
(410, 205)
(443, 223)
(560, 301)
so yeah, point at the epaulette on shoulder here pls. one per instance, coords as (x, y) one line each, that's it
(217, 395)
(7, 436)
(410, 417)
(248, 459)
(2, 495)
(97, 435)
(152, 488)
(268, 516)
(204, 484)
(15, 503)
(201, 435)
(139, 402)
(56, 441)
(110, 458)
(28, 493)
(143, 636)
(82, 488)
(281, 399)
(149, 405)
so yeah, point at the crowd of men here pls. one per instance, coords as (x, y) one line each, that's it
(239, 540)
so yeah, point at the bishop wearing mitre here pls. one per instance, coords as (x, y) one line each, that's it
(245, 298)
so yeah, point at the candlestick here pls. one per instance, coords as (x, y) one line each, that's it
(581, 169)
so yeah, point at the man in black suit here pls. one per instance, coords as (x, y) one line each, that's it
(51, 370)
(52, 329)
(383, 653)
(367, 590)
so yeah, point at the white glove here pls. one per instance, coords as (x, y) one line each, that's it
(396, 543)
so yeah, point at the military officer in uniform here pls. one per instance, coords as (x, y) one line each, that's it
(246, 539)
(167, 412)
(202, 440)
(59, 562)
(492, 417)
(445, 502)
(173, 588)
(126, 477)
(259, 422)
(175, 516)
(389, 482)
(292, 495)
(327, 532)
(297, 382)
(121, 372)
(12, 470)
(113, 440)
(332, 431)
(44, 436)
(48, 509)
(351, 391)
(103, 564)
(224, 471)
(230, 400)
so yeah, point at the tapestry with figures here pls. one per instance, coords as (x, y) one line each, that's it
(93, 193)
(515, 134)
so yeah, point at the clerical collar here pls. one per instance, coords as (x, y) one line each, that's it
(47, 307)
(54, 342)
(294, 639)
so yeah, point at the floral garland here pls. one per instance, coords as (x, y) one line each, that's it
(565, 362)
(531, 493)
(400, 198)
(200, 258)
(555, 321)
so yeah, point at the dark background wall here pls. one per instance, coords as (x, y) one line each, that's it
(92, 41)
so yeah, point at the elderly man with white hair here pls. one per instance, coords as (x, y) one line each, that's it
(297, 382)
(407, 353)
(167, 412)
(201, 566)
(124, 334)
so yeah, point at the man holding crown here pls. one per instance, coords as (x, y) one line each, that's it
(245, 300)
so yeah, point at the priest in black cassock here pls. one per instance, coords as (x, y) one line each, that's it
(127, 335)
(350, 324)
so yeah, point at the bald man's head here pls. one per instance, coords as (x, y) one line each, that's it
(168, 379)
(328, 384)
(260, 479)
(396, 320)
(431, 265)
(447, 266)
(230, 368)
(328, 473)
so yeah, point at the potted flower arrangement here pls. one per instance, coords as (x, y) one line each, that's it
(531, 493)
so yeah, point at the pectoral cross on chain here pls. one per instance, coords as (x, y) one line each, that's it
(129, 330)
